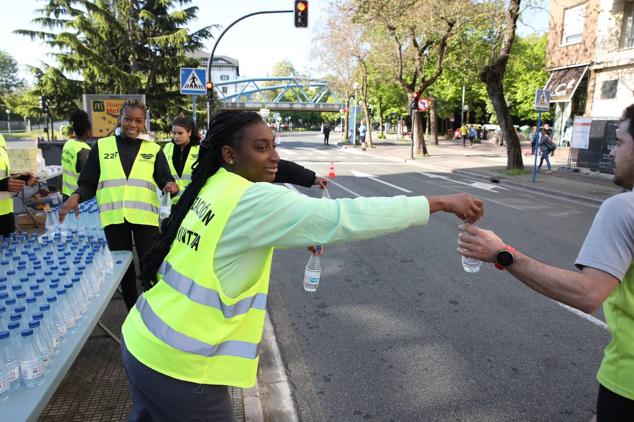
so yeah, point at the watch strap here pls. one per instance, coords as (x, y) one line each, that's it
(508, 248)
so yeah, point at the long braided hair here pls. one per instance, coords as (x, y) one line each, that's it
(226, 128)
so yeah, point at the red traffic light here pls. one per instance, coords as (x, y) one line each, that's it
(210, 86)
(301, 13)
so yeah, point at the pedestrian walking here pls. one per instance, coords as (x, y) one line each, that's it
(607, 276)
(471, 135)
(463, 133)
(124, 172)
(545, 147)
(534, 138)
(326, 131)
(75, 151)
(198, 329)
(363, 129)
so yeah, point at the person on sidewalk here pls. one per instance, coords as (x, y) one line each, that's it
(545, 147)
(124, 172)
(75, 151)
(363, 130)
(326, 131)
(606, 261)
(464, 130)
(198, 329)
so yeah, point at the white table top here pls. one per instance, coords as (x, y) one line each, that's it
(27, 404)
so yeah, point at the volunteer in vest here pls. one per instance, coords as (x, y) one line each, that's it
(198, 329)
(8, 186)
(124, 172)
(183, 151)
(75, 151)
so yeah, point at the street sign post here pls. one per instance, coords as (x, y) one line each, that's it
(193, 82)
(423, 104)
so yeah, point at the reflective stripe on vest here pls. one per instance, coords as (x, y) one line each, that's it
(209, 297)
(133, 199)
(69, 164)
(6, 198)
(187, 344)
(185, 326)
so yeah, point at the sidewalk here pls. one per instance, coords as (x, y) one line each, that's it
(487, 161)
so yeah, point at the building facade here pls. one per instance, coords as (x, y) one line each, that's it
(223, 69)
(590, 58)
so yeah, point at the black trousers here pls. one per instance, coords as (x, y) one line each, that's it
(612, 407)
(7, 224)
(119, 237)
(157, 397)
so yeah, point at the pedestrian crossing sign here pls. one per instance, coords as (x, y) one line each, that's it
(542, 100)
(193, 81)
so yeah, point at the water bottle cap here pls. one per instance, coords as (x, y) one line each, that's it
(38, 316)
(3, 287)
(3, 309)
(33, 287)
(4, 262)
(4, 295)
(26, 332)
(38, 293)
(21, 267)
(4, 334)
(66, 269)
(45, 307)
(62, 273)
(10, 301)
(3, 279)
(48, 273)
(20, 309)
(15, 317)
(13, 325)
(34, 324)
(68, 285)
(20, 295)
(30, 299)
(11, 273)
(55, 280)
(51, 298)
(16, 286)
(61, 291)
(75, 279)
(40, 280)
(30, 274)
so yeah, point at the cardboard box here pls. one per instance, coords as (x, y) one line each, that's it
(27, 223)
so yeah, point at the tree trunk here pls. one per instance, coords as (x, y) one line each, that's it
(381, 123)
(368, 133)
(495, 89)
(344, 127)
(433, 117)
(417, 129)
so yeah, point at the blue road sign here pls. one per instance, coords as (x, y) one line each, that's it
(542, 100)
(193, 81)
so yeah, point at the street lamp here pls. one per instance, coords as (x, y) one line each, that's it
(9, 119)
(465, 110)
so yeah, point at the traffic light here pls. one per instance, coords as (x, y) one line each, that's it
(44, 101)
(210, 87)
(301, 13)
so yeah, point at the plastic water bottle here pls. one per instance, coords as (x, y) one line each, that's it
(166, 206)
(56, 314)
(15, 343)
(32, 366)
(312, 273)
(42, 341)
(471, 265)
(65, 309)
(8, 364)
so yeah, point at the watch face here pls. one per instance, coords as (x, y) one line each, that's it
(504, 258)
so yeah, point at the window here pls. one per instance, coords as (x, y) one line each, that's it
(224, 89)
(573, 24)
(608, 89)
(224, 77)
(627, 26)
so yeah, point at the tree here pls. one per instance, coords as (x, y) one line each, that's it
(26, 103)
(493, 76)
(9, 79)
(123, 46)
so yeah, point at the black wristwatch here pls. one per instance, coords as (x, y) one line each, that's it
(504, 257)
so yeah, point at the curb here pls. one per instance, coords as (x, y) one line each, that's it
(272, 400)
(539, 189)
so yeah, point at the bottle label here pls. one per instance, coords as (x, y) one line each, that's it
(62, 329)
(32, 369)
(55, 342)
(14, 373)
(311, 277)
(5, 383)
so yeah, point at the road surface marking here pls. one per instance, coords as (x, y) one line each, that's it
(583, 315)
(344, 188)
(474, 184)
(369, 176)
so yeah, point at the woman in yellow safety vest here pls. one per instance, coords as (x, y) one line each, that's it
(198, 329)
(124, 172)
(75, 151)
(182, 152)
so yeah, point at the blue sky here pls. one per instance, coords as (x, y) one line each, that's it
(257, 42)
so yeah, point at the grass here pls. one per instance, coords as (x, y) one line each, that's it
(515, 172)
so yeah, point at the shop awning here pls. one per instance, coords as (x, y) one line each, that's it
(564, 82)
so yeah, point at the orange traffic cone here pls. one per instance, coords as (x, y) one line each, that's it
(331, 172)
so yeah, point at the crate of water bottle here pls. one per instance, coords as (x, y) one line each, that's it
(75, 226)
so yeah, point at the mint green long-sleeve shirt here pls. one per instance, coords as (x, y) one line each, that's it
(271, 215)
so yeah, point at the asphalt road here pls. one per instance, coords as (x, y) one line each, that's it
(399, 332)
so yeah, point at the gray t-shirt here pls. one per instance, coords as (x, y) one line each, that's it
(609, 245)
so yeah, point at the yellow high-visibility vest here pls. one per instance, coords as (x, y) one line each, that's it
(185, 326)
(186, 177)
(69, 165)
(6, 199)
(134, 198)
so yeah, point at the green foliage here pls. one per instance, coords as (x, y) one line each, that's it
(25, 103)
(9, 79)
(116, 47)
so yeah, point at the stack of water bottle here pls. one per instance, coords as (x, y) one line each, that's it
(46, 284)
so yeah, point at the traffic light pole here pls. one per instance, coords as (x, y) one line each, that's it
(210, 95)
